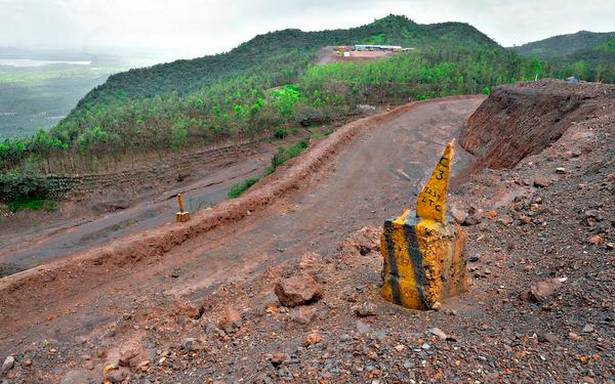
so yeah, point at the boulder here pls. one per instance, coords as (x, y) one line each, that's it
(297, 290)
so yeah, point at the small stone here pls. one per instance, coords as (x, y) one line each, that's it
(560, 170)
(547, 338)
(438, 332)
(426, 347)
(364, 310)
(471, 220)
(524, 219)
(541, 181)
(312, 338)
(27, 363)
(588, 328)
(278, 358)
(543, 289)
(231, 320)
(506, 220)
(144, 365)
(110, 367)
(298, 290)
(8, 364)
(596, 240)
(400, 347)
(187, 344)
(492, 214)
(303, 315)
(458, 214)
(118, 375)
(450, 312)
(345, 337)
(574, 337)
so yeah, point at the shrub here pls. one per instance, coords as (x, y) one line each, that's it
(239, 188)
(285, 154)
(33, 204)
(179, 135)
(22, 184)
(284, 99)
(280, 133)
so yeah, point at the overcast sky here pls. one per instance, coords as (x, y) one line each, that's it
(189, 28)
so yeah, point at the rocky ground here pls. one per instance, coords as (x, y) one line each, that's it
(540, 308)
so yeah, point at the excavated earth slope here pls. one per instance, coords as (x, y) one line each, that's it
(517, 121)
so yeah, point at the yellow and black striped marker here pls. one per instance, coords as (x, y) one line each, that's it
(183, 215)
(423, 262)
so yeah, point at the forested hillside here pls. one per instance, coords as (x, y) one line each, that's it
(267, 86)
(587, 55)
(563, 45)
(183, 76)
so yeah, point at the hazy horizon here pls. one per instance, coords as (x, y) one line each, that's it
(191, 28)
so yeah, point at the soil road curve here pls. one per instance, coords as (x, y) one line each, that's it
(372, 178)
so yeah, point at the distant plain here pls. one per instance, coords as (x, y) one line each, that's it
(37, 91)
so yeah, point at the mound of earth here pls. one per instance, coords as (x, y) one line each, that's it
(521, 120)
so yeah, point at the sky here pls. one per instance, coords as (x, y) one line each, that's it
(191, 28)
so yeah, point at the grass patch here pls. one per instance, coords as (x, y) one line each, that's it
(239, 188)
(33, 204)
(283, 155)
(286, 153)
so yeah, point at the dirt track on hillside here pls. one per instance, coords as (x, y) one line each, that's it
(36, 246)
(374, 176)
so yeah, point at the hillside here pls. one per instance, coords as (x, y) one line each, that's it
(185, 75)
(267, 87)
(586, 55)
(564, 45)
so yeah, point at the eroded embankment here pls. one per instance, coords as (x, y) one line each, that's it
(521, 120)
(152, 244)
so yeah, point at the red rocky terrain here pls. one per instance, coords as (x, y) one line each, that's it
(539, 251)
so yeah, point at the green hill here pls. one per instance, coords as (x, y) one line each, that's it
(564, 45)
(183, 76)
(586, 55)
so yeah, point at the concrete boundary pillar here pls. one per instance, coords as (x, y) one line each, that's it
(422, 249)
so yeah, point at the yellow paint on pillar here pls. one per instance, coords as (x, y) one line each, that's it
(431, 202)
(400, 283)
(435, 241)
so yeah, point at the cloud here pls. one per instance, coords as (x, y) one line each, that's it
(189, 28)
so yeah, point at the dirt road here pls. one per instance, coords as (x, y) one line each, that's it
(374, 177)
(31, 249)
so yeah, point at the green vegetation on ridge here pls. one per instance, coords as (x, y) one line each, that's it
(586, 55)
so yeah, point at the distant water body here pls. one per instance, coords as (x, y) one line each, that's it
(39, 63)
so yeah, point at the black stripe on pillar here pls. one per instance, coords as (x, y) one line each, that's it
(417, 262)
(394, 273)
